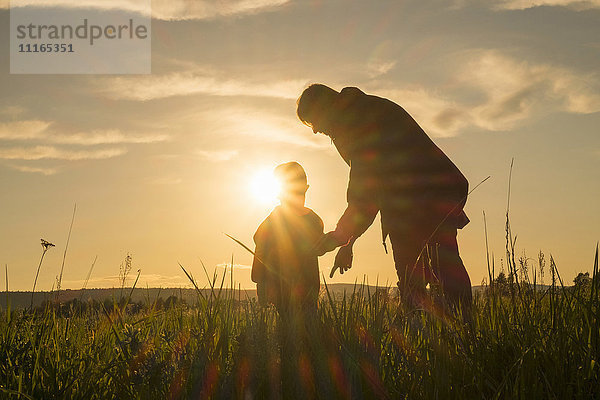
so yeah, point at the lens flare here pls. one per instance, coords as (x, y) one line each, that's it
(265, 187)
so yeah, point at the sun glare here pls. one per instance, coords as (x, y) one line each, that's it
(265, 187)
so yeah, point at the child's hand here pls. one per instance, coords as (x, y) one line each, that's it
(343, 260)
(327, 243)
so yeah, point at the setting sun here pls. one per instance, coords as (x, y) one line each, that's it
(265, 187)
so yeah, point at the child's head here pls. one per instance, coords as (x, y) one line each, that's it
(292, 179)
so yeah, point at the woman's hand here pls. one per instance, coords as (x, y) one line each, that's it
(343, 259)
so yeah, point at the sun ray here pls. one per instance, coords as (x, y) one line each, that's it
(265, 187)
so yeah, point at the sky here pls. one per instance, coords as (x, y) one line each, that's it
(161, 166)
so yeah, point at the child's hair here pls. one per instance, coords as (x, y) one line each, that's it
(292, 177)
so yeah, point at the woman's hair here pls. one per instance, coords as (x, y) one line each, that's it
(315, 98)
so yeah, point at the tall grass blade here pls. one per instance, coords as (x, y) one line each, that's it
(45, 246)
(132, 288)
(62, 266)
(7, 295)
(87, 278)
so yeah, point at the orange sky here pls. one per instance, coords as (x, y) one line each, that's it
(159, 164)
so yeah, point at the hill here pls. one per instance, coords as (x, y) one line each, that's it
(144, 295)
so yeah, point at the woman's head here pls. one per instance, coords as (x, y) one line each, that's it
(314, 107)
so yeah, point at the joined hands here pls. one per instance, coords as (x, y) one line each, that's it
(343, 260)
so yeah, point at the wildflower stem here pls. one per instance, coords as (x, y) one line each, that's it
(36, 276)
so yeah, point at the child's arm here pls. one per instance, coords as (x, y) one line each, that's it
(258, 276)
(320, 230)
(259, 270)
(261, 238)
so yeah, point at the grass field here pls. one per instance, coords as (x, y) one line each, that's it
(523, 343)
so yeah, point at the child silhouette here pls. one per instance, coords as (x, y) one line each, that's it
(285, 266)
(286, 272)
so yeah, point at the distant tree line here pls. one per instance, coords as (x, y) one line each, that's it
(77, 306)
(504, 284)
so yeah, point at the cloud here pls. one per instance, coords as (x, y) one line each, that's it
(502, 5)
(40, 130)
(525, 4)
(105, 137)
(218, 155)
(43, 133)
(112, 281)
(150, 87)
(377, 68)
(580, 94)
(516, 90)
(43, 171)
(227, 266)
(163, 9)
(382, 59)
(100, 282)
(23, 130)
(157, 280)
(208, 9)
(438, 116)
(54, 153)
(508, 92)
(265, 126)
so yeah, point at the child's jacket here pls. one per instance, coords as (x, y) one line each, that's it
(285, 266)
